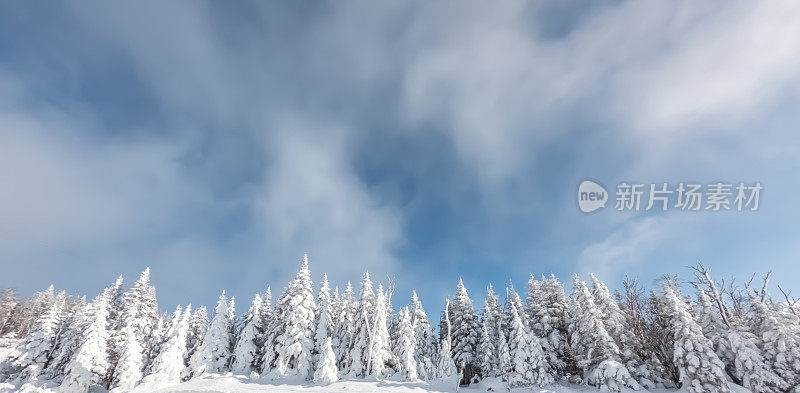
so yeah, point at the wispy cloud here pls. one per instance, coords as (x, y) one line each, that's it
(196, 133)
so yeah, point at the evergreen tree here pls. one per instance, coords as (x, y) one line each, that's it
(336, 310)
(245, 353)
(512, 298)
(489, 345)
(751, 368)
(214, 352)
(548, 316)
(266, 349)
(659, 341)
(780, 341)
(66, 318)
(504, 364)
(128, 371)
(168, 366)
(33, 353)
(446, 368)
(198, 325)
(714, 328)
(616, 323)
(326, 372)
(487, 353)
(294, 341)
(89, 367)
(360, 349)
(594, 349)
(405, 349)
(116, 298)
(379, 346)
(323, 326)
(139, 317)
(424, 340)
(233, 330)
(343, 333)
(528, 365)
(8, 302)
(734, 345)
(700, 368)
(465, 330)
(30, 314)
(68, 338)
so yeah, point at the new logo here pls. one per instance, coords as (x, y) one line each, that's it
(591, 196)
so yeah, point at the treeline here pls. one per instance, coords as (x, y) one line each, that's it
(632, 339)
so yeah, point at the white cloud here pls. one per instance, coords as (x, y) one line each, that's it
(633, 244)
(719, 66)
(313, 201)
(657, 72)
(59, 189)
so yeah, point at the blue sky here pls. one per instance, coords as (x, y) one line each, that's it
(216, 142)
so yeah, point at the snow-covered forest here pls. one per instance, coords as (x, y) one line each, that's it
(613, 340)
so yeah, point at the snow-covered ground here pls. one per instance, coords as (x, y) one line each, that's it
(6, 346)
(242, 384)
(235, 384)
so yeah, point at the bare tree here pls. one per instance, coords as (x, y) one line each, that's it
(790, 301)
(8, 301)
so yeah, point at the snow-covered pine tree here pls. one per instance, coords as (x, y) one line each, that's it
(446, 369)
(548, 314)
(246, 350)
(214, 352)
(294, 315)
(780, 342)
(379, 346)
(701, 371)
(593, 348)
(326, 372)
(487, 353)
(336, 310)
(89, 366)
(407, 363)
(140, 317)
(8, 302)
(393, 328)
(465, 330)
(713, 325)
(266, 349)
(528, 365)
(659, 341)
(233, 329)
(751, 368)
(735, 347)
(60, 302)
(323, 321)
(616, 323)
(492, 322)
(343, 332)
(198, 325)
(363, 320)
(512, 297)
(534, 306)
(424, 340)
(503, 353)
(128, 371)
(30, 313)
(33, 353)
(73, 322)
(67, 335)
(168, 366)
(116, 298)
